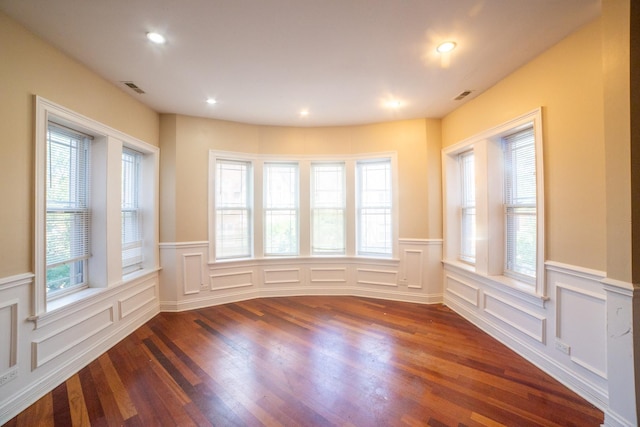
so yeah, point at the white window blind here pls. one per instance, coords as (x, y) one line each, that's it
(68, 215)
(131, 212)
(374, 207)
(520, 204)
(467, 207)
(281, 209)
(328, 207)
(233, 198)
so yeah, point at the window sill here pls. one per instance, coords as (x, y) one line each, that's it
(324, 259)
(75, 301)
(507, 285)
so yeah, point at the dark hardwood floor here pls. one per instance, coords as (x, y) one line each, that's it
(310, 361)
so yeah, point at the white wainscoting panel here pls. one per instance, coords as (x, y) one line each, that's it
(413, 268)
(231, 280)
(376, 277)
(581, 324)
(8, 341)
(132, 304)
(328, 275)
(515, 316)
(68, 337)
(282, 276)
(192, 272)
(462, 290)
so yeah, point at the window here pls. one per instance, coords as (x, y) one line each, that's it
(263, 206)
(233, 209)
(493, 188)
(68, 213)
(467, 207)
(131, 212)
(280, 209)
(328, 206)
(89, 226)
(520, 204)
(374, 207)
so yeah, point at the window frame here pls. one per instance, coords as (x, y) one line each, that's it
(360, 251)
(136, 209)
(490, 210)
(295, 245)
(105, 262)
(466, 205)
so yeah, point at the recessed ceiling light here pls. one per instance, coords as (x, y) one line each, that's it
(211, 101)
(393, 103)
(304, 113)
(156, 38)
(446, 47)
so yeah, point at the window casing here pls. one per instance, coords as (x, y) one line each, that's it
(509, 204)
(328, 209)
(233, 209)
(374, 207)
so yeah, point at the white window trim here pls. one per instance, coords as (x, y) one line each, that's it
(490, 244)
(105, 268)
(304, 162)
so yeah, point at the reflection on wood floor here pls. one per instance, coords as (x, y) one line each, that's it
(310, 361)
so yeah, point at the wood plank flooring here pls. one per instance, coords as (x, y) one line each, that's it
(310, 361)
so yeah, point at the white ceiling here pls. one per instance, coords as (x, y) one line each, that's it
(265, 60)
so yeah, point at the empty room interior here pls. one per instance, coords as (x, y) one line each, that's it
(357, 212)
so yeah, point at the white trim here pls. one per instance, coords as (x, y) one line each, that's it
(181, 245)
(576, 271)
(17, 280)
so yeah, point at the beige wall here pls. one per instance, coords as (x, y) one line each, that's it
(417, 143)
(567, 81)
(29, 66)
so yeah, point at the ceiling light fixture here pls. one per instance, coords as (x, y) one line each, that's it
(393, 103)
(304, 113)
(446, 47)
(211, 101)
(156, 38)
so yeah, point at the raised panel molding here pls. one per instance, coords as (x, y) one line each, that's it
(463, 290)
(132, 303)
(65, 339)
(8, 341)
(581, 324)
(191, 273)
(531, 324)
(238, 279)
(328, 275)
(367, 276)
(413, 268)
(282, 276)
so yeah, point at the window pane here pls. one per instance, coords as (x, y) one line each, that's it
(520, 204)
(467, 207)
(374, 207)
(233, 209)
(68, 214)
(131, 213)
(328, 208)
(281, 209)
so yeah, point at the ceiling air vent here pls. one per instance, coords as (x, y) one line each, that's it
(462, 95)
(133, 86)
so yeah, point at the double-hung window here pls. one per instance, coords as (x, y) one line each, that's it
(328, 207)
(520, 204)
(374, 207)
(68, 213)
(233, 209)
(467, 207)
(281, 209)
(131, 211)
